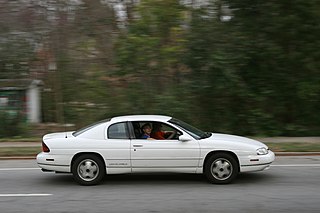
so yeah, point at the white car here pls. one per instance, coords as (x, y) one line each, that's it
(116, 145)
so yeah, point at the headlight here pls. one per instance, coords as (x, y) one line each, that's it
(262, 151)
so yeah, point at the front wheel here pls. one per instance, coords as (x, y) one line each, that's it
(88, 170)
(221, 168)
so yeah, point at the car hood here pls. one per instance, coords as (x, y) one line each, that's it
(58, 135)
(236, 139)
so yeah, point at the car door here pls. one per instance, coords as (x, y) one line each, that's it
(117, 152)
(164, 155)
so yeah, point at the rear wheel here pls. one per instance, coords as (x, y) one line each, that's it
(221, 168)
(88, 169)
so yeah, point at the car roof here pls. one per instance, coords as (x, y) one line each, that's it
(141, 118)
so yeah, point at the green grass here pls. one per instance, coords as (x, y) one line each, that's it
(19, 151)
(21, 139)
(275, 147)
(294, 147)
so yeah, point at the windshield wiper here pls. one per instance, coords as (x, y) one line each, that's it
(206, 135)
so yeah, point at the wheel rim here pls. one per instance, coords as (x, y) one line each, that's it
(88, 170)
(221, 169)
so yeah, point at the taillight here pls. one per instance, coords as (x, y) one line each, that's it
(45, 148)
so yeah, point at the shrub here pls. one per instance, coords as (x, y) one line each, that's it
(12, 124)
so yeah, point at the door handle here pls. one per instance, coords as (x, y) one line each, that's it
(137, 145)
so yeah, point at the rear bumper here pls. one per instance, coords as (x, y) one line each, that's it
(53, 162)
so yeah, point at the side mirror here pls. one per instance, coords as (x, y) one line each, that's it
(184, 138)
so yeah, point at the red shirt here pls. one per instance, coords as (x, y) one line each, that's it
(158, 135)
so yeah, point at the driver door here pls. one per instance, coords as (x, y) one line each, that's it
(151, 155)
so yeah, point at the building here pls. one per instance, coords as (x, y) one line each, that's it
(21, 97)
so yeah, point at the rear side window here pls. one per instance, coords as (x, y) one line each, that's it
(118, 131)
(84, 129)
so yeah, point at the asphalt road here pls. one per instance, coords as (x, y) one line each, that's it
(291, 185)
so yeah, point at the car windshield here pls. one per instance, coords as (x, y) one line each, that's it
(193, 131)
(86, 128)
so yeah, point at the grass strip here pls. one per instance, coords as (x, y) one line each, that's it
(19, 151)
(21, 139)
(293, 147)
(275, 147)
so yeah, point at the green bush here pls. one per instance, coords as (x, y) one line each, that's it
(12, 125)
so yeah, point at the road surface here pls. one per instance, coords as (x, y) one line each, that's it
(291, 185)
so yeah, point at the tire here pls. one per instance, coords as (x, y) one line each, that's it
(221, 168)
(88, 170)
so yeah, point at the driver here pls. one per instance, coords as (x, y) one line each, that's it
(158, 134)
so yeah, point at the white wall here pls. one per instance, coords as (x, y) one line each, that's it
(33, 103)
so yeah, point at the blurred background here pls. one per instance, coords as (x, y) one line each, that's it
(233, 66)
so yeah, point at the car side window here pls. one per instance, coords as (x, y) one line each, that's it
(118, 131)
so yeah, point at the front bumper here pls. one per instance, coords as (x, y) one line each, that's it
(255, 163)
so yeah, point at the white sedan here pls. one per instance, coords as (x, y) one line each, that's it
(119, 145)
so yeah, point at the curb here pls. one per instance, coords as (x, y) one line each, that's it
(276, 153)
(297, 153)
(18, 158)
